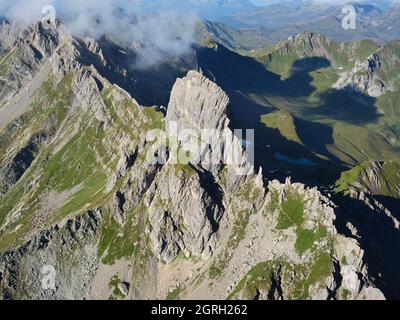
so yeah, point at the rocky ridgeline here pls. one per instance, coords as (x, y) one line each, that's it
(369, 214)
(26, 51)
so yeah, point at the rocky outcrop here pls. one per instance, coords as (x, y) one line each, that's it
(56, 264)
(355, 282)
(186, 203)
(378, 178)
(184, 216)
(368, 212)
(14, 170)
(197, 103)
(364, 77)
(8, 35)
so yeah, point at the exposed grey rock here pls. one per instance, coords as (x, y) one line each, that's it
(354, 271)
(68, 250)
(198, 103)
(13, 171)
(183, 215)
(8, 35)
(364, 78)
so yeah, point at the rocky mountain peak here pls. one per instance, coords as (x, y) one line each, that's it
(198, 103)
(7, 34)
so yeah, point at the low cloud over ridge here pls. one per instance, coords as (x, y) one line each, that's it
(160, 33)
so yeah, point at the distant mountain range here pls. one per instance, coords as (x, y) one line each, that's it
(209, 9)
(277, 22)
(373, 23)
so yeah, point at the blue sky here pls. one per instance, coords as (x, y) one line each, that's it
(264, 2)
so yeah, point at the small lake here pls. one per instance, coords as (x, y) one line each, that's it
(301, 162)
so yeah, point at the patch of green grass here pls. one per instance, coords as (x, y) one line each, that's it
(295, 279)
(323, 80)
(292, 215)
(220, 263)
(364, 49)
(239, 228)
(347, 179)
(215, 271)
(257, 279)
(109, 231)
(277, 61)
(90, 195)
(292, 212)
(249, 192)
(119, 242)
(320, 269)
(114, 286)
(309, 275)
(187, 170)
(174, 295)
(284, 122)
(155, 119)
(209, 43)
(307, 238)
(5, 61)
(127, 241)
(275, 201)
(346, 294)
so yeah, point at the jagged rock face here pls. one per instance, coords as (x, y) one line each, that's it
(24, 56)
(7, 35)
(369, 214)
(364, 78)
(379, 178)
(185, 202)
(354, 272)
(280, 259)
(24, 270)
(308, 44)
(20, 163)
(198, 110)
(183, 216)
(198, 103)
(366, 73)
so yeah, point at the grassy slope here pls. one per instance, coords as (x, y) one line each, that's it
(77, 166)
(387, 179)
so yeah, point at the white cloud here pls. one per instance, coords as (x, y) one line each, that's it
(168, 32)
